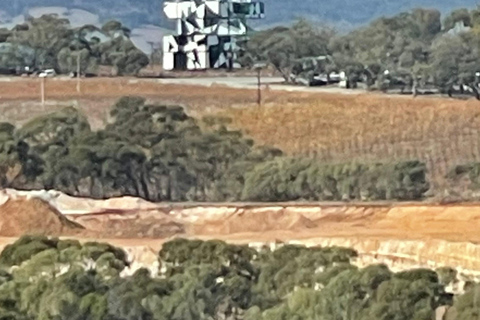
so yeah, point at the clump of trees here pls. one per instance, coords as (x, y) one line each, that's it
(287, 179)
(290, 49)
(464, 182)
(160, 153)
(47, 278)
(50, 42)
(416, 46)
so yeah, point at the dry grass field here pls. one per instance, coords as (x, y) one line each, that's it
(20, 98)
(331, 127)
(440, 132)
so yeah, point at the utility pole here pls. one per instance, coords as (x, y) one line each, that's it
(42, 92)
(259, 87)
(259, 67)
(78, 72)
(230, 51)
(151, 43)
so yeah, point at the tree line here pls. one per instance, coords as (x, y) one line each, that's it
(160, 153)
(47, 278)
(51, 42)
(417, 46)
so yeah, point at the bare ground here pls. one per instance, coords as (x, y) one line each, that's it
(401, 235)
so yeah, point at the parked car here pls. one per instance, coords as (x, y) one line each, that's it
(48, 73)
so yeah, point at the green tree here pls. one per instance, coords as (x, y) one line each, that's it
(455, 59)
(460, 15)
(400, 44)
(284, 48)
(466, 306)
(46, 36)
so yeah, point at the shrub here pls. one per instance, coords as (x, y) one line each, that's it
(299, 179)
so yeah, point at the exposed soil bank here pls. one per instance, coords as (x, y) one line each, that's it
(403, 235)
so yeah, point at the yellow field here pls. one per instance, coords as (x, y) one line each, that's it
(331, 127)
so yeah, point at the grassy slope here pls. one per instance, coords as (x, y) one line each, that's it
(331, 127)
(337, 128)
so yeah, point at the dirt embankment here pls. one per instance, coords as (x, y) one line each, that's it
(405, 235)
(34, 216)
(129, 217)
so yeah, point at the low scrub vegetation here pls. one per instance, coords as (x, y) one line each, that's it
(286, 179)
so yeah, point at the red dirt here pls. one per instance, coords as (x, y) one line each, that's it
(34, 216)
(129, 218)
(131, 224)
(420, 233)
(255, 220)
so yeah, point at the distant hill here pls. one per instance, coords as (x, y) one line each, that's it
(351, 13)
(135, 13)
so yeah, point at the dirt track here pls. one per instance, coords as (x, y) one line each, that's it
(456, 223)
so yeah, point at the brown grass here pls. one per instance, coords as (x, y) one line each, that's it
(331, 127)
(337, 128)
(20, 99)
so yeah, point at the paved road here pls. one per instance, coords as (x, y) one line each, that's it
(274, 83)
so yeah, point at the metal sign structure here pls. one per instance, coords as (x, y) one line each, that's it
(207, 32)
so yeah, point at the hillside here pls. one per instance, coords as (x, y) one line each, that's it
(391, 127)
(135, 13)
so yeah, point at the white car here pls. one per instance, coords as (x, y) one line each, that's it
(48, 73)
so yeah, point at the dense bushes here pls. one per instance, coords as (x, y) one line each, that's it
(293, 179)
(470, 171)
(415, 47)
(64, 279)
(463, 183)
(162, 154)
(51, 42)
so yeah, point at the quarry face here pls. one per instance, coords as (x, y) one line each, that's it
(403, 236)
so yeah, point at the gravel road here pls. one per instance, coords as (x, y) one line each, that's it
(273, 83)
